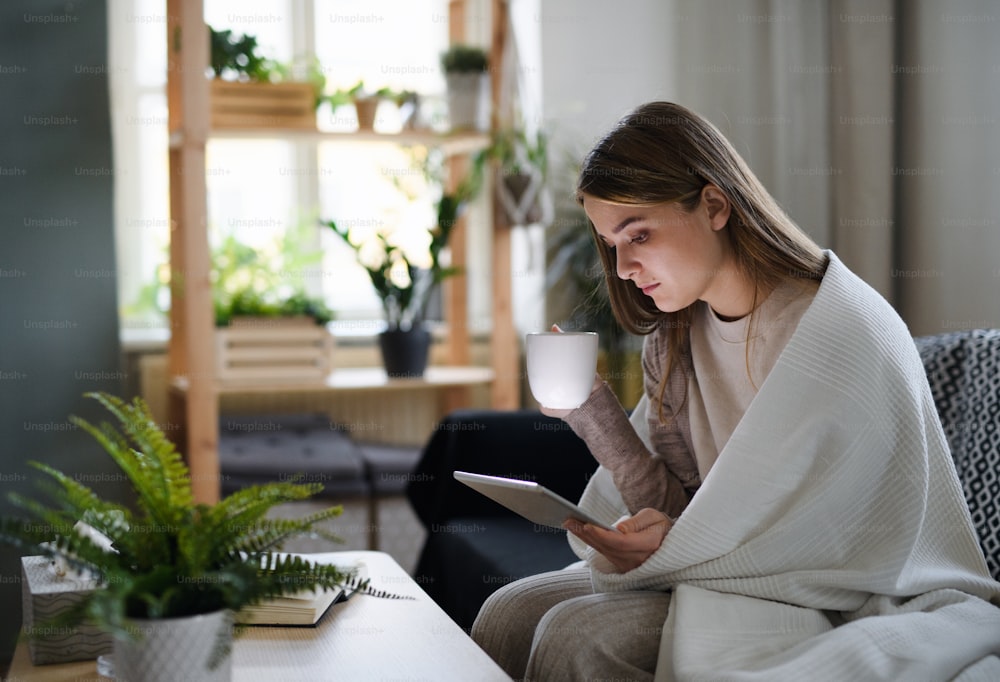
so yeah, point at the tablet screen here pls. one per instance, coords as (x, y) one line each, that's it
(531, 500)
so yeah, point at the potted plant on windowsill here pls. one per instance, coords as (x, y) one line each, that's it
(366, 104)
(406, 282)
(466, 72)
(171, 573)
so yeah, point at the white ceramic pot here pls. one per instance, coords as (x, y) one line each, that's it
(177, 650)
(468, 101)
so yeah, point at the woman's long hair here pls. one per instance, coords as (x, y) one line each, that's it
(662, 152)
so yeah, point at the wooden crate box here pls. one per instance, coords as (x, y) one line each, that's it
(263, 105)
(273, 349)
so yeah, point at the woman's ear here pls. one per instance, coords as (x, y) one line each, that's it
(717, 204)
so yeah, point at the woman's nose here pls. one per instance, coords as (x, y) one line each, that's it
(625, 265)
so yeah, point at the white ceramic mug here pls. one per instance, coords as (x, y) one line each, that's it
(561, 367)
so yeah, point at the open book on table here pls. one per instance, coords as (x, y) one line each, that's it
(303, 608)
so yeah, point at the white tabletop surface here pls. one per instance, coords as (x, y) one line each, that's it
(365, 639)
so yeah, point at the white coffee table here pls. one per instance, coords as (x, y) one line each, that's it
(365, 638)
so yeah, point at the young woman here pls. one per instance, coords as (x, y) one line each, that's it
(783, 477)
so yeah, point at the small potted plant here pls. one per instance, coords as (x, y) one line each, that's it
(172, 573)
(466, 71)
(365, 102)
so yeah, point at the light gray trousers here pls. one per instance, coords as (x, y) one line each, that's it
(552, 627)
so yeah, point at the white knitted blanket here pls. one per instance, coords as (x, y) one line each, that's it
(830, 541)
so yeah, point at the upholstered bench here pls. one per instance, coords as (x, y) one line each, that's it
(390, 467)
(306, 448)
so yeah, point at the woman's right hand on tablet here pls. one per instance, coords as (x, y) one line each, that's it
(639, 537)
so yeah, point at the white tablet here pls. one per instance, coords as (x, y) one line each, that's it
(529, 499)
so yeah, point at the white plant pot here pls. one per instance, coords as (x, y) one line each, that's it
(468, 101)
(177, 650)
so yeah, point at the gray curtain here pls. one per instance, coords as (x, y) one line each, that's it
(876, 124)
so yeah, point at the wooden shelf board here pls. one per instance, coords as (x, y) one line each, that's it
(461, 142)
(354, 379)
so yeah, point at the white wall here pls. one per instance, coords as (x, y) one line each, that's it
(599, 60)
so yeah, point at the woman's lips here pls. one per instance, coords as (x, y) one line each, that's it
(648, 289)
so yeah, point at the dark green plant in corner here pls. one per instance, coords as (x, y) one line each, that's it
(171, 557)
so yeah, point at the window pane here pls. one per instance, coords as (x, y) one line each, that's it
(260, 189)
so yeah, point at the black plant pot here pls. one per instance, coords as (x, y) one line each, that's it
(404, 352)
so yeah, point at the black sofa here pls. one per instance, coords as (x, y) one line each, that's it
(475, 546)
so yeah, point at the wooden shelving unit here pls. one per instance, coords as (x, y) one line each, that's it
(194, 411)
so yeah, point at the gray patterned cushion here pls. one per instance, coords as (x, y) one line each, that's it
(963, 369)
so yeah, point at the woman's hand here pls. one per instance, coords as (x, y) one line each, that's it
(640, 536)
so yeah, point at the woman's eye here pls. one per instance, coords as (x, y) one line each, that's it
(637, 239)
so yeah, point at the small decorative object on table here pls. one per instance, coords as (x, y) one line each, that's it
(49, 588)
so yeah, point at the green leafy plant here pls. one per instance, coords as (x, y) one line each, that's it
(405, 288)
(235, 57)
(358, 91)
(300, 71)
(265, 282)
(169, 556)
(250, 303)
(246, 281)
(459, 58)
(268, 281)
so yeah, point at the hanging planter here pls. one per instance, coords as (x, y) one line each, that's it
(523, 169)
(521, 197)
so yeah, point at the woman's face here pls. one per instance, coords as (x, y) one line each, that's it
(675, 257)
